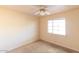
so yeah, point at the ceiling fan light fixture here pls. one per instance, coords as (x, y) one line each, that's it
(47, 13)
(42, 12)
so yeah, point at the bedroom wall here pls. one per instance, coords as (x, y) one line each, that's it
(17, 29)
(71, 40)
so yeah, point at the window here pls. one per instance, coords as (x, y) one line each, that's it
(57, 26)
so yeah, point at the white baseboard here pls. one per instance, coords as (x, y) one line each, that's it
(65, 46)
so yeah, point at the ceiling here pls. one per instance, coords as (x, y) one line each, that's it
(31, 9)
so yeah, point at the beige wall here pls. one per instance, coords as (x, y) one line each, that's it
(17, 29)
(71, 40)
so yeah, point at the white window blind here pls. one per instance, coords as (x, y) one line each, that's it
(57, 26)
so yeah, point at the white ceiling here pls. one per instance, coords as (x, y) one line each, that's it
(30, 9)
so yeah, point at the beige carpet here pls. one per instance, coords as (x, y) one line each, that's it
(39, 47)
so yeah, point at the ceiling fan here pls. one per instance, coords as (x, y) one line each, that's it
(42, 11)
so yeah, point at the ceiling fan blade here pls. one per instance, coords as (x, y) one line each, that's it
(36, 13)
